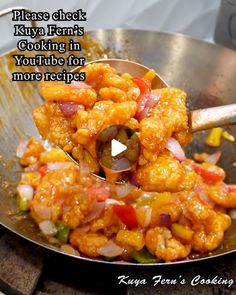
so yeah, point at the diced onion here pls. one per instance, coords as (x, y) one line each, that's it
(58, 165)
(25, 191)
(121, 165)
(32, 167)
(203, 196)
(47, 145)
(111, 249)
(110, 202)
(96, 211)
(122, 190)
(148, 214)
(42, 212)
(188, 166)
(175, 148)
(84, 168)
(69, 250)
(53, 240)
(213, 158)
(144, 194)
(21, 148)
(48, 228)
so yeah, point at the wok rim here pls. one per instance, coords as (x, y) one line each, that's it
(181, 35)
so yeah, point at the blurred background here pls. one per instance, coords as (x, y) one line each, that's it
(209, 20)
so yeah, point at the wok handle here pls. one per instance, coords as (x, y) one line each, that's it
(10, 9)
(204, 119)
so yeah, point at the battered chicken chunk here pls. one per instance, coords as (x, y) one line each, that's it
(165, 174)
(53, 125)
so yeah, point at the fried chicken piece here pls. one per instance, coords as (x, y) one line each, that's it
(165, 174)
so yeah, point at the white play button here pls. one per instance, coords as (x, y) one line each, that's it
(117, 147)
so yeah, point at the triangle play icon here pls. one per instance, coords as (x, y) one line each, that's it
(117, 147)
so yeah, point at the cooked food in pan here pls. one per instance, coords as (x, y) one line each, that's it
(167, 208)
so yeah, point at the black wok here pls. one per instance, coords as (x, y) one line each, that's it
(205, 71)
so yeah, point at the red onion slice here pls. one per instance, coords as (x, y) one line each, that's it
(151, 102)
(144, 114)
(21, 148)
(96, 211)
(175, 148)
(134, 179)
(48, 228)
(165, 220)
(153, 99)
(69, 108)
(111, 249)
(25, 191)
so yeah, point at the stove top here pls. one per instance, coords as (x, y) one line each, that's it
(28, 269)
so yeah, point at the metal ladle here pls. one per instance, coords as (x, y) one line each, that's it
(201, 119)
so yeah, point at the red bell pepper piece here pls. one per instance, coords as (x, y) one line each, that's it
(209, 176)
(43, 170)
(127, 215)
(145, 92)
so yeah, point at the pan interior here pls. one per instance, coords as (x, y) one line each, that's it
(206, 72)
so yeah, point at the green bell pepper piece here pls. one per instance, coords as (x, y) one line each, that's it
(62, 232)
(143, 256)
